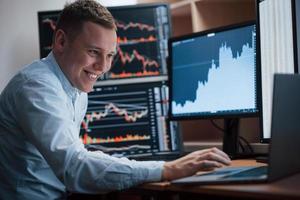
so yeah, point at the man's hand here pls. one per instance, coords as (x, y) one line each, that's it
(194, 162)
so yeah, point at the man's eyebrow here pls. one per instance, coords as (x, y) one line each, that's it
(94, 47)
(101, 49)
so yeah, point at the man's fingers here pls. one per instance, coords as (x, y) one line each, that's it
(208, 164)
(212, 156)
(195, 161)
(214, 150)
(222, 153)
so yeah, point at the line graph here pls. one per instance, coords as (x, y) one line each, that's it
(128, 58)
(131, 114)
(204, 81)
(126, 41)
(142, 40)
(132, 63)
(142, 37)
(110, 108)
(113, 106)
(129, 148)
(140, 26)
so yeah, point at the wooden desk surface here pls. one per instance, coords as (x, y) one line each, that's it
(287, 188)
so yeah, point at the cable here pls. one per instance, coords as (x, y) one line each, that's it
(241, 145)
(241, 139)
(247, 144)
(217, 126)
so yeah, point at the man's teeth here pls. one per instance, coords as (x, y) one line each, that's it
(92, 76)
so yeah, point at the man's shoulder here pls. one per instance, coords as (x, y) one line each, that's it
(39, 71)
(37, 77)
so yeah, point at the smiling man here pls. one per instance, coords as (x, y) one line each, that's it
(87, 55)
(42, 107)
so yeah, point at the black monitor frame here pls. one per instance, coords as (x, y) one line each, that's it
(215, 115)
(231, 120)
(112, 93)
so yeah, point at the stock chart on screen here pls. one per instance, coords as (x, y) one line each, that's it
(142, 39)
(142, 32)
(218, 76)
(128, 119)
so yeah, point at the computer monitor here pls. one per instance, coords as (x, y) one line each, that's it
(143, 32)
(127, 109)
(278, 31)
(213, 74)
(130, 120)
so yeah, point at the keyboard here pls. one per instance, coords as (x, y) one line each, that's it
(254, 172)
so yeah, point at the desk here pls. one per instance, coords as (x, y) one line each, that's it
(288, 188)
(284, 189)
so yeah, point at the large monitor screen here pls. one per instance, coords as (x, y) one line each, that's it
(130, 120)
(143, 33)
(214, 73)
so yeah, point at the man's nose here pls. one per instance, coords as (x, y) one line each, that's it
(101, 65)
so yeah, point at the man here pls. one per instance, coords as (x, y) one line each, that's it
(41, 155)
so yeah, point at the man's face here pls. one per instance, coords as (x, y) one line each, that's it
(88, 55)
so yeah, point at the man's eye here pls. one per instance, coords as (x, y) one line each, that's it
(111, 55)
(93, 52)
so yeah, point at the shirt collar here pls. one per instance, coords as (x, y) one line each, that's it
(69, 89)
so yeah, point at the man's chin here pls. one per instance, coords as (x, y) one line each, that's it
(86, 89)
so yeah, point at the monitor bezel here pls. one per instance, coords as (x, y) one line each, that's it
(215, 115)
(139, 6)
(258, 47)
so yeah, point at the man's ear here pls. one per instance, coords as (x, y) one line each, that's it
(59, 40)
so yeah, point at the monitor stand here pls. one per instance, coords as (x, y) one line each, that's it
(230, 137)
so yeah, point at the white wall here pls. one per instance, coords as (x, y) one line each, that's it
(19, 32)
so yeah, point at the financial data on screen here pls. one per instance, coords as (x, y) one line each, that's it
(214, 73)
(142, 36)
(142, 39)
(127, 120)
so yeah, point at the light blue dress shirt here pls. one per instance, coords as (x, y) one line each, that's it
(41, 155)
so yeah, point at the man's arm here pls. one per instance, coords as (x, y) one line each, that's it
(46, 122)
